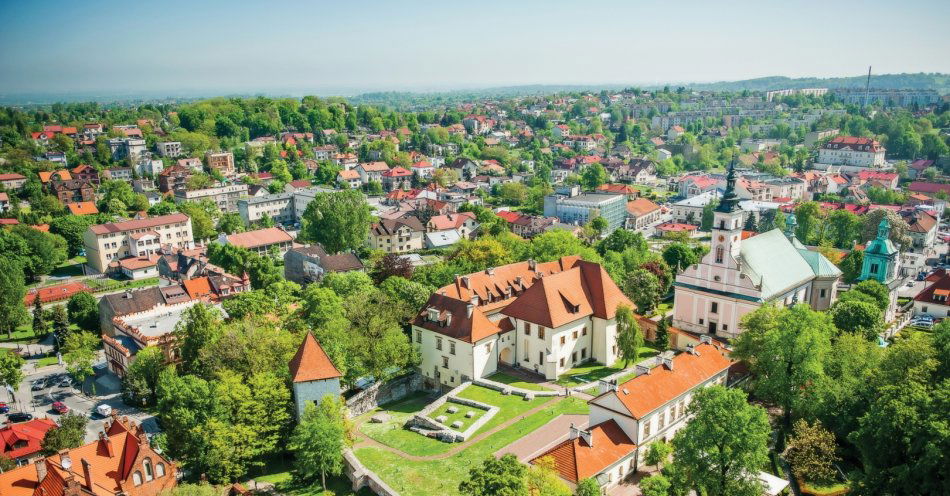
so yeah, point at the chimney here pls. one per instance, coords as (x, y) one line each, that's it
(667, 362)
(691, 350)
(128, 294)
(490, 271)
(532, 264)
(104, 439)
(641, 370)
(465, 282)
(588, 438)
(470, 309)
(86, 472)
(40, 469)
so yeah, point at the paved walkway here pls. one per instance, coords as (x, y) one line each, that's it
(544, 437)
(365, 441)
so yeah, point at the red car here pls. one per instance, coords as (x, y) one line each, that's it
(60, 407)
(4, 408)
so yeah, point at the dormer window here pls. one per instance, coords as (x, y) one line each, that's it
(434, 314)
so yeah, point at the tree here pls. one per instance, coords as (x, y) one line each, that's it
(40, 326)
(11, 370)
(876, 292)
(588, 487)
(859, 317)
(347, 284)
(811, 225)
(620, 240)
(708, 215)
(724, 446)
(899, 228)
(658, 453)
(83, 310)
(503, 476)
(679, 256)
(72, 228)
(140, 384)
(12, 292)
(662, 339)
(339, 221)
(319, 440)
(44, 251)
(6, 464)
(391, 265)
(60, 322)
(811, 452)
(202, 217)
(655, 485)
(70, 434)
(481, 254)
(594, 175)
(644, 289)
(542, 479)
(844, 228)
(79, 353)
(796, 340)
(850, 265)
(629, 337)
(200, 326)
(230, 223)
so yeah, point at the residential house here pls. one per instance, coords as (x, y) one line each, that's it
(260, 241)
(922, 229)
(85, 172)
(134, 332)
(123, 148)
(136, 238)
(170, 149)
(12, 181)
(852, 151)
(397, 235)
(224, 197)
(396, 178)
(423, 168)
(119, 174)
(642, 213)
(349, 178)
(696, 185)
(73, 190)
(194, 164)
(934, 300)
(371, 171)
(308, 264)
(278, 206)
(22, 443)
(149, 167)
(174, 178)
(82, 208)
(222, 162)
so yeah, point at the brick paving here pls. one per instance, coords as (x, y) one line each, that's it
(543, 437)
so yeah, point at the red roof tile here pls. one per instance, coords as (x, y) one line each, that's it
(311, 363)
(576, 460)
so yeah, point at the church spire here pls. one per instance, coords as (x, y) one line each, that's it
(730, 200)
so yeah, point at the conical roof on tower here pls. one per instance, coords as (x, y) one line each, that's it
(730, 200)
(311, 363)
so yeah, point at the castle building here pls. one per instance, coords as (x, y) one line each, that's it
(738, 276)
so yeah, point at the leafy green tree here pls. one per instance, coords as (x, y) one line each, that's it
(226, 450)
(200, 326)
(83, 310)
(12, 292)
(662, 340)
(40, 325)
(542, 478)
(620, 240)
(6, 464)
(339, 221)
(594, 175)
(70, 434)
(644, 289)
(811, 223)
(319, 441)
(11, 370)
(679, 256)
(230, 223)
(44, 251)
(658, 453)
(655, 485)
(587, 487)
(60, 321)
(140, 384)
(724, 445)
(503, 476)
(202, 215)
(844, 228)
(899, 228)
(859, 317)
(553, 245)
(796, 340)
(629, 337)
(79, 353)
(850, 265)
(708, 215)
(347, 284)
(811, 451)
(72, 228)
(378, 345)
(878, 293)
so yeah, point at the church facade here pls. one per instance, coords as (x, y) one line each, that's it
(738, 275)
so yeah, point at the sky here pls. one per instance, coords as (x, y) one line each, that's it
(343, 47)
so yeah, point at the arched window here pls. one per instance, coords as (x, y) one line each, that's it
(148, 469)
(159, 469)
(137, 478)
(719, 254)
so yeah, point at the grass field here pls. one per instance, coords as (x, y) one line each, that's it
(459, 415)
(595, 371)
(283, 482)
(516, 382)
(439, 477)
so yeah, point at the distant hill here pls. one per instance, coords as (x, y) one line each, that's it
(935, 81)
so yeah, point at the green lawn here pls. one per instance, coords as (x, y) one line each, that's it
(50, 360)
(284, 483)
(439, 477)
(102, 285)
(510, 406)
(516, 382)
(819, 490)
(24, 333)
(458, 415)
(594, 371)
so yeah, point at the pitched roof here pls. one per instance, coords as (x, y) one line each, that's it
(387, 227)
(32, 433)
(758, 255)
(450, 221)
(641, 206)
(260, 237)
(129, 225)
(348, 174)
(647, 392)
(939, 286)
(82, 208)
(556, 299)
(311, 363)
(374, 166)
(455, 319)
(576, 460)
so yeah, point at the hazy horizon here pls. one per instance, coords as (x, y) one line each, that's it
(200, 48)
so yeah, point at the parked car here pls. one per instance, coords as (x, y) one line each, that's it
(66, 382)
(104, 410)
(19, 417)
(4, 408)
(60, 407)
(38, 385)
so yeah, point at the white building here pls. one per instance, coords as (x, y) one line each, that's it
(852, 151)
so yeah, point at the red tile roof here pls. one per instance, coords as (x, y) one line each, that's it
(58, 292)
(576, 460)
(311, 363)
(260, 237)
(82, 208)
(641, 206)
(31, 433)
(11, 176)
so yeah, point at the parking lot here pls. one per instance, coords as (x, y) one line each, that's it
(44, 387)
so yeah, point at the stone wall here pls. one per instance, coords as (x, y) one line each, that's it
(423, 423)
(362, 477)
(506, 389)
(380, 394)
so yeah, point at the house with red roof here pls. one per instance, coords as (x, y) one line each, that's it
(626, 418)
(22, 442)
(852, 151)
(120, 462)
(313, 374)
(396, 178)
(544, 317)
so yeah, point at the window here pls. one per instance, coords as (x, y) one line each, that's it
(719, 254)
(574, 335)
(700, 321)
(445, 362)
(583, 353)
(672, 415)
(646, 429)
(540, 332)
(680, 409)
(563, 340)
(714, 307)
(438, 342)
(662, 421)
(541, 357)
(574, 357)
(451, 347)
(561, 362)
(821, 293)
(874, 268)
(137, 478)
(584, 332)
(725, 327)
(418, 336)
(147, 463)
(527, 328)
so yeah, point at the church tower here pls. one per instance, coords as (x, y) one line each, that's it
(727, 222)
(881, 256)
